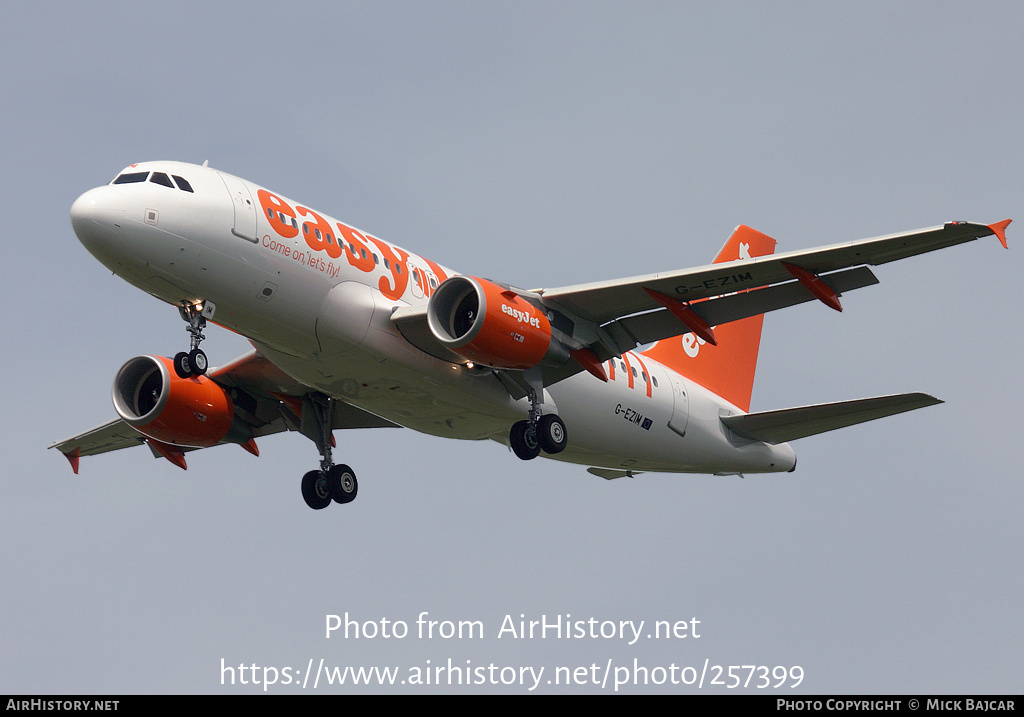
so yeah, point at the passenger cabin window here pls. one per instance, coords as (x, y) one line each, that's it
(183, 184)
(131, 177)
(161, 178)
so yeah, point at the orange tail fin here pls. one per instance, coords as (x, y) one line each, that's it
(728, 368)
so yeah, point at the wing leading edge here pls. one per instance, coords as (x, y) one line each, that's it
(607, 301)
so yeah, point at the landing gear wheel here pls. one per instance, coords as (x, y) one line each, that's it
(182, 366)
(315, 490)
(342, 484)
(523, 440)
(198, 361)
(551, 434)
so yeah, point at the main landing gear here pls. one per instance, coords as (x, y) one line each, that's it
(539, 432)
(335, 483)
(194, 362)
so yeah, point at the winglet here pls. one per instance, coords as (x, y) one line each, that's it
(999, 229)
(72, 457)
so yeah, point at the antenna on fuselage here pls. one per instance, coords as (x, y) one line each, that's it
(206, 163)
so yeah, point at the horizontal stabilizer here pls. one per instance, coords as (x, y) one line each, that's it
(789, 424)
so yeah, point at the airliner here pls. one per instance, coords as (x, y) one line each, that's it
(645, 374)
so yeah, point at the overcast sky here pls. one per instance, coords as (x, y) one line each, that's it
(542, 144)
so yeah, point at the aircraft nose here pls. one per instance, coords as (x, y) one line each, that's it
(97, 217)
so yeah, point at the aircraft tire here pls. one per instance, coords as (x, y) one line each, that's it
(551, 434)
(523, 441)
(182, 366)
(342, 484)
(198, 362)
(314, 490)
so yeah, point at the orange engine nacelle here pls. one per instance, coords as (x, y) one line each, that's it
(195, 412)
(484, 323)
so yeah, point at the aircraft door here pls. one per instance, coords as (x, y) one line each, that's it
(243, 206)
(680, 404)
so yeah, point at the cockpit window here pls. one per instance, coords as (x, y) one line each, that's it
(183, 184)
(131, 177)
(161, 178)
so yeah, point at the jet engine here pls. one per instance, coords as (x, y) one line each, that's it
(194, 412)
(488, 324)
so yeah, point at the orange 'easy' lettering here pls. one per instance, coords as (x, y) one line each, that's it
(273, 207)
(441, 276)
(399, 270)
(319, 237)
(360, 258)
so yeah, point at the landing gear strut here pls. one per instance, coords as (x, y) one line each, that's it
(539, 432)
(335, 483)
(194, 362)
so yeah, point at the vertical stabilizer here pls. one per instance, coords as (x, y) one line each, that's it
(728, 368)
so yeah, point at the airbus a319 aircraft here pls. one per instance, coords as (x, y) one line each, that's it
(351, 331)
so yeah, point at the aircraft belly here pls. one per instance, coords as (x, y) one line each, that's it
(611, 425)
(386, 376)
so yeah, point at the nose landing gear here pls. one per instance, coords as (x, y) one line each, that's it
(194, 362)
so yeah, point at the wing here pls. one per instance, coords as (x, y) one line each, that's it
(608, 318)
(265, 399)
(606, 301)
(649, 308)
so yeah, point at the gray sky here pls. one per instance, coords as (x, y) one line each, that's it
(543, 144)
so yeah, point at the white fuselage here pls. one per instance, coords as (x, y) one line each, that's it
(318, 304)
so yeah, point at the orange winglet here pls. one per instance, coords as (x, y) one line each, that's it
(687, 315)
(999, 229)
(73, 457)
(251, 446)
(172, 453)
(814, 284)
(587, 359)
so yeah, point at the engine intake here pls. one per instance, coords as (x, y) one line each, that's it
(194, 412)
(483, 322)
